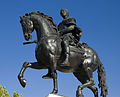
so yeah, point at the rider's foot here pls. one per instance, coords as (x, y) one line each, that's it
(65, 62)
(47, 76)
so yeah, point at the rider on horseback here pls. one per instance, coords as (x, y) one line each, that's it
(70, 34)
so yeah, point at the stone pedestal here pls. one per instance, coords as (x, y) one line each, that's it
(55, 95)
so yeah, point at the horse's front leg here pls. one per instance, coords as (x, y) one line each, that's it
(53, 66)
(34, 65)
(54, 75)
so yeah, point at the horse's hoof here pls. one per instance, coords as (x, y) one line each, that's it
(22, 81)
(96, 93)
(54, 92)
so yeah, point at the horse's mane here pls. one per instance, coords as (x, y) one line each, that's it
(49, 18)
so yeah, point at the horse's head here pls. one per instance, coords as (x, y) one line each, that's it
(27, 26)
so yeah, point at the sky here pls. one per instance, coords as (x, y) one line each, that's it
(100, 23)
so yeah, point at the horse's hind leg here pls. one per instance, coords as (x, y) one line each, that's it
(94, 90)
(86, 82)
(34, 65)
(85, 76)
(81, 87)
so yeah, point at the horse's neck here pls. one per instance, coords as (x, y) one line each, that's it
(44, 29)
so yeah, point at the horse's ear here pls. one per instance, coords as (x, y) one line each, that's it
(21, 17)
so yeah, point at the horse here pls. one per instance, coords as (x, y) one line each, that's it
(83, 60)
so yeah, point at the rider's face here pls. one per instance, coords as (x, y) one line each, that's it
(64, 13)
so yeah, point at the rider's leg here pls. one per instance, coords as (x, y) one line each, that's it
(52, 72)
(48, 75)
(66, 51)
(51, 69)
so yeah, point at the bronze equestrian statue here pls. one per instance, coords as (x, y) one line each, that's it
(50, 54)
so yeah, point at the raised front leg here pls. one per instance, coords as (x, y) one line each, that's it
(34, 65)
(20, 76)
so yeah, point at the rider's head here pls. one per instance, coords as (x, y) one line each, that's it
(64, 13)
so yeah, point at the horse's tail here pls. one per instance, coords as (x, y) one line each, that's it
(102, 80)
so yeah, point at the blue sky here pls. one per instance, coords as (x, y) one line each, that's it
(100, 22)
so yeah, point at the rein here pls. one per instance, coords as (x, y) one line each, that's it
(35, 41)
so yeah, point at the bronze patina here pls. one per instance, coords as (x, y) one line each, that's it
(59, 48)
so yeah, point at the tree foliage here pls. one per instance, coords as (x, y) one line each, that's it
(4, 93)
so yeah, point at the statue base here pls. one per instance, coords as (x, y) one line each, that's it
(55, 95)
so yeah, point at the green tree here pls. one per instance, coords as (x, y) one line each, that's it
(4, 93)
(16, 94)
(1, 91)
